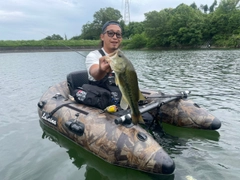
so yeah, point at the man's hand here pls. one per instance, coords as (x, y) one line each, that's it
(99, 71)
(104, 65)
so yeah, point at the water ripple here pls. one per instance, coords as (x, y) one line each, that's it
(199, 154)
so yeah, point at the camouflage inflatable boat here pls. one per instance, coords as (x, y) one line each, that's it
(113, 137)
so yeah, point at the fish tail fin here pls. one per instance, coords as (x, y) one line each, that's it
(137, 119)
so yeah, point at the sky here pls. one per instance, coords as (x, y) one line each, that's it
(37, 19)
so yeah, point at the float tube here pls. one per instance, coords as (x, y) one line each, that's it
(113, 137)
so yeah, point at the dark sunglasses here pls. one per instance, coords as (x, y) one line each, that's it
(112, 33)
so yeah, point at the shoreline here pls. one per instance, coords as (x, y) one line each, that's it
(44, 49)
(24, 49)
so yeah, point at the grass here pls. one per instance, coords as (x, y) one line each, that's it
(49, 43)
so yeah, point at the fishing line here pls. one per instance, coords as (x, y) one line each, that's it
(65, 45)
(181, 95)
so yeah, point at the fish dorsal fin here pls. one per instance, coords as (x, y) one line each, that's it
(141, 97)
(123, 104)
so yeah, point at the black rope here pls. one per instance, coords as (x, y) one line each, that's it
(57, 108)
(66, 105)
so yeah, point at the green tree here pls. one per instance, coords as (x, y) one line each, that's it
(76, 38)
(106, 14)
(90, 31)
(93, 30)
(225, 23)
(227, 6)
(187, 26)
(193, 5)
(226, 17)
(133, 28)
(157, 27)
(137, 41)
(182, 26)
(204, 8)
(54, 37)
(212, 7)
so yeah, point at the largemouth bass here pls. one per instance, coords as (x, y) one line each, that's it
(126, 80)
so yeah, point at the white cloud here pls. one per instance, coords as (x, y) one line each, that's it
(34, 19)
(6, 16)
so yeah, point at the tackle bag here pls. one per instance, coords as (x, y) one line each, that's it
(92, 95)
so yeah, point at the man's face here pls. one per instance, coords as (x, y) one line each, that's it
(112, 38)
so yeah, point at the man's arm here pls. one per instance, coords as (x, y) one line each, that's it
(99, 71)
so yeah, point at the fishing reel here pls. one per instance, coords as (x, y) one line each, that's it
(125, 120)
(75, 126)
(184, 94)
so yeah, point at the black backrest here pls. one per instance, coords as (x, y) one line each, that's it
(77, 79)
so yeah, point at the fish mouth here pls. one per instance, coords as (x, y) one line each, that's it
(113, 54)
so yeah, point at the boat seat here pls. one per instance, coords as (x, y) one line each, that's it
(76, 79)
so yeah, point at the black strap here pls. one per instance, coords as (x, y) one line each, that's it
(101, 52)
(57, 108)
(104, 83)
(66, 105)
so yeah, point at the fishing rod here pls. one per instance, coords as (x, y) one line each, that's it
(185, 94)
(214, 94)
(126, 118)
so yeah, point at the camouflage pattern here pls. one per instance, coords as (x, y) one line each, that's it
(113, 143)
(185, 113)
(118, 144)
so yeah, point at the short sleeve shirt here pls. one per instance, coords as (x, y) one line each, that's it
(93, 58)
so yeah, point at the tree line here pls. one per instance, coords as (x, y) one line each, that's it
(183, 26)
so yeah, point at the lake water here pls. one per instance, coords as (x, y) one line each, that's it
(30, 151)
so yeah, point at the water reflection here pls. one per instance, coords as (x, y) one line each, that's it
(174, 140)
(189, 133)
(96, 168)
(200, 154)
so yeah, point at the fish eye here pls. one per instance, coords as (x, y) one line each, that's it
(119, 55)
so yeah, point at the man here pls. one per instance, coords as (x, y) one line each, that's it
(99, 71)
(96, 64)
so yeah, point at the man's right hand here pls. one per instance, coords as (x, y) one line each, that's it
(104, 65)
